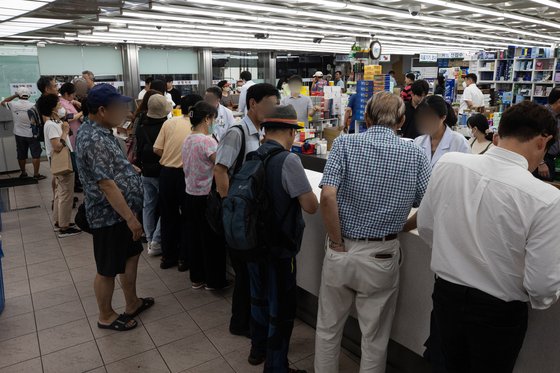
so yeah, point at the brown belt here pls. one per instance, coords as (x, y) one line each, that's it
(388, 237)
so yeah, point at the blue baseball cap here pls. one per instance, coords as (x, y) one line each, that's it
(104, 95)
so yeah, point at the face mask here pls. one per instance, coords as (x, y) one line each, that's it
(464, 84)
(61, 112)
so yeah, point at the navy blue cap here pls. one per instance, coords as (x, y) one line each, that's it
(104, 95)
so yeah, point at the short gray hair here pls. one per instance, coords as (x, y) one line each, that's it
(385, 109)
(89, 74)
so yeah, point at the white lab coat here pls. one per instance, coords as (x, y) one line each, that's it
(451, 142)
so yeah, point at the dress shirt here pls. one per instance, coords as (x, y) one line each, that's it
(224, 120)
(450, 142)
(493, 226)
(242, 107)
(231, 144)
(379, 177)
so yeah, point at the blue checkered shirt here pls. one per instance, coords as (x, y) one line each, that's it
(379, 177)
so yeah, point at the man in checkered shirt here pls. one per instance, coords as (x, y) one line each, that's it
(370, 183)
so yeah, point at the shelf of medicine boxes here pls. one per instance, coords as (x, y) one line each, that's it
(539, 72)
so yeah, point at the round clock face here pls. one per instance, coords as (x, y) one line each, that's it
(375, 50)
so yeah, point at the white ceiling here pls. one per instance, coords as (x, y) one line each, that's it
(290, 24)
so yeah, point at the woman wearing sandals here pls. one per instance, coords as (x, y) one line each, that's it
(207, 254)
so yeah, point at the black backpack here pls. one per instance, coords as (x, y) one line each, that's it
(37, 124)
(247, 211)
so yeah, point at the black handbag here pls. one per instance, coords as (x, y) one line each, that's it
(81, 219)
(214, 212)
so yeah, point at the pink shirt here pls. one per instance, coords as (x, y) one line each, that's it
(74, 124)
(198, 168)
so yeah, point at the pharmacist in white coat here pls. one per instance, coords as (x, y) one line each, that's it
(472, 95)
(437, 138)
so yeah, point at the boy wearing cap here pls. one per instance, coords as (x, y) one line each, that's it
(273, 275)
(25, 141)
(113, 197)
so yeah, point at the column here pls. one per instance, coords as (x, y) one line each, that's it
(267, 64)
(131, 75)
(204, 69)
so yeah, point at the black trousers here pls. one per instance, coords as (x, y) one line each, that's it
(241, 300)
(172, 198)
(207, 251)
(479, 333)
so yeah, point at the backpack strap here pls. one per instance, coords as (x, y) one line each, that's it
(241, 155)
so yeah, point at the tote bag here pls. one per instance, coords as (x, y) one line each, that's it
(61, 162)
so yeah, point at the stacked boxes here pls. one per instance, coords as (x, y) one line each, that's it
(364, 90)
(372, 70)
(381, 83)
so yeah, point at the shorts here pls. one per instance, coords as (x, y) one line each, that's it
(112, 246)
(25, 144)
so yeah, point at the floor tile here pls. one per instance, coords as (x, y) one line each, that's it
(60, 314)
(45, 268)
(188, 352)
(29, 366)
(213, 366)
(80, 260)
(212, 314)
(16, 289)
(9, 262)
(42, 256)
(80, 358)
(17, 326)
(172, 328)
(121, 345)
(302, 343)
(164, 306)
(16, 306)
(238, 361)
(152, 288)
(191, 298)
(85, 273)
(64, 336)
(16, 274)
(18, 349)
(148, 362)
(50, 281)
(90, 303)
(54, 297)
(346, 364)
(224, 341)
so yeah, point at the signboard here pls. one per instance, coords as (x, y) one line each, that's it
(428, 57)
(31, 86)
(385, 58)
(451, 55)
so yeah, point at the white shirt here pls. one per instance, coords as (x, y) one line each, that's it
(450, 142)
(243, 96)
(52, 131)
(141, 94)
(471, 93)
(223, 121)
(22, 124)
(493, 226)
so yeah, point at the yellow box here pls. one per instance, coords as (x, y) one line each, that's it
(373, 69)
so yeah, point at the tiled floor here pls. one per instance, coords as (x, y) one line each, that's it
(49, 321)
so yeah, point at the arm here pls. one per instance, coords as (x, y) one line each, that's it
(58, 143)
(543, 170)
(469, 103)
(242, 104)
(8, 99)
(309, 202)
(118, 202)
(158, 152)
(411, 223)
(159, 144)
(222, 180)
(329, 211)
(542, 258)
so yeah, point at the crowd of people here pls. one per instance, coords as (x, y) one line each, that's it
(488, 220)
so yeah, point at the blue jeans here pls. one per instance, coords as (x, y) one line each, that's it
(149, 213)
(273, 310)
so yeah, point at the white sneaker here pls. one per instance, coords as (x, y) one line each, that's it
(154, 248)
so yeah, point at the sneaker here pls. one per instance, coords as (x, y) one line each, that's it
(182, 266)
(229, 283)
(256, 359)
(57, 228)
(69, 232)
(154, 248)
(198, 285)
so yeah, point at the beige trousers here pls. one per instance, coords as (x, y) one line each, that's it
(356, 275)
(63, 199)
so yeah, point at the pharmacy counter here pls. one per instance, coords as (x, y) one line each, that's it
(411, 323)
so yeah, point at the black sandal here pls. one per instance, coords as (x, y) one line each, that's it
(146, 303)
(120, 324)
